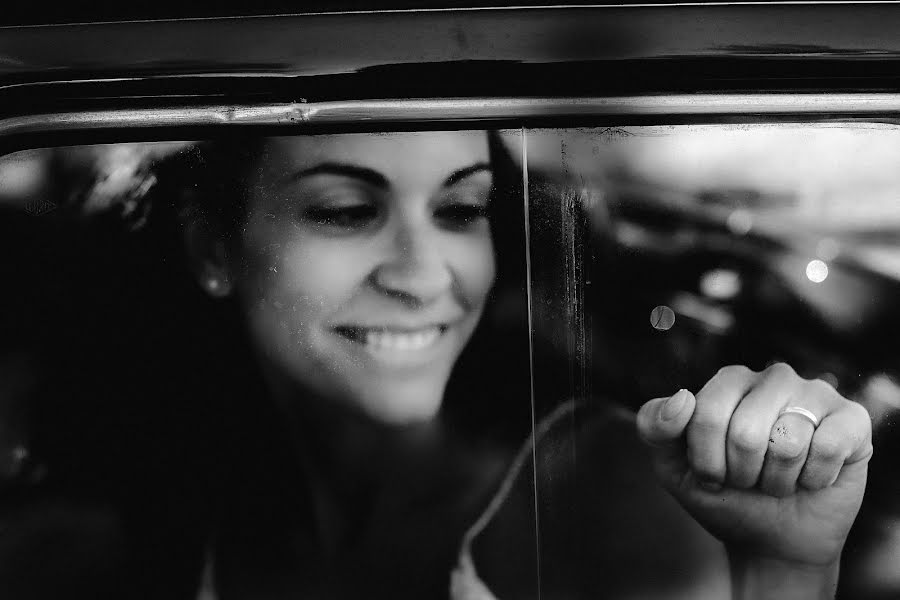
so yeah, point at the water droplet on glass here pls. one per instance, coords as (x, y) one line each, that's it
(662, 318)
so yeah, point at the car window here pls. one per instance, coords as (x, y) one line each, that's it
(176, 312)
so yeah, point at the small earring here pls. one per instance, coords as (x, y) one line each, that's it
(18, 456)
(217, 285)
(18, 465)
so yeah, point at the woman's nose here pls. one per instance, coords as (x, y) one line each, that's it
(417, 270)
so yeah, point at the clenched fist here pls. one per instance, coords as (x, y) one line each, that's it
(772, 464)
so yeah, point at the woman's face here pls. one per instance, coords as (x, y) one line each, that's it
(365, 264)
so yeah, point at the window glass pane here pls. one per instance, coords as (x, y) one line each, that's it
(661, 254)
(311, 364)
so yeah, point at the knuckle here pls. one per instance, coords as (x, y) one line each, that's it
(780, 370)
(747, 438)
(819, 388)
(868, 451)
(828, 446)
(861, 414)
(733, 372)
(780, 367)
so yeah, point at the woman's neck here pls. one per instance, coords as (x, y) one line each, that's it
(358, 471)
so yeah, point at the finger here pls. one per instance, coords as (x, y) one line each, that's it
(844, 437)
(708, 429)
(751, 424)
(661, 423)
(792, 433)
(789, 443)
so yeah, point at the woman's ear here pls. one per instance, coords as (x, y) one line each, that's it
(208, 257)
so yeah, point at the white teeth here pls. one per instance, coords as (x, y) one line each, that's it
(402, 342)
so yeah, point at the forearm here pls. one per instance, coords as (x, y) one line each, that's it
(761, 578)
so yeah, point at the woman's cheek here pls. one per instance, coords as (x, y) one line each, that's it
(329, 272)
(474, 263)
(286, 262)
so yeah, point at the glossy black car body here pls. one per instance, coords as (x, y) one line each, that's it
(537, 52)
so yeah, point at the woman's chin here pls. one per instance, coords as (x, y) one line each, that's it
(403, 405)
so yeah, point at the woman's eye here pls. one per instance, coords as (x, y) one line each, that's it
(460, 215)
(341, 217)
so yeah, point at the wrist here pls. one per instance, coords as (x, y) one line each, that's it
(760, 577)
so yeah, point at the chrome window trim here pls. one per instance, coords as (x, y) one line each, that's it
(459, 10)
(448, 110)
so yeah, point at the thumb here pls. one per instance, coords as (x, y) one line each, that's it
(661, 423)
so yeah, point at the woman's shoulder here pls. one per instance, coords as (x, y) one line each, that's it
(580, 507)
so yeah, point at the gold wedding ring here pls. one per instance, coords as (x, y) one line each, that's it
(799, 410)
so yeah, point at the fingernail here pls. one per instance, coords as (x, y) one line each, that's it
(674, 405)
(709, 485)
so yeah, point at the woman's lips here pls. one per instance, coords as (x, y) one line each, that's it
(393, 340)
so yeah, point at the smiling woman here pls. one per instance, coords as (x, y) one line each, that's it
(359, 267)
(365, 270)
(362, 265)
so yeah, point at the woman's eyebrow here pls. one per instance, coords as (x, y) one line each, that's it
(461, 174)
(365, 174)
